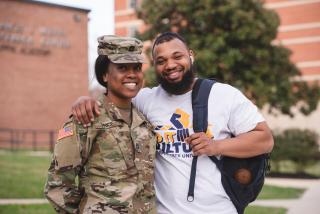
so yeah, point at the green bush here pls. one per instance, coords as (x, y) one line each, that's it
(299, 146)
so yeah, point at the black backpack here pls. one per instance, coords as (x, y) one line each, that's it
(233, 170)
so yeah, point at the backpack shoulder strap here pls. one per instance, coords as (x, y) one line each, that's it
(200, 96)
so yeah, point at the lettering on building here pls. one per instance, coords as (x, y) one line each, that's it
(29, 40)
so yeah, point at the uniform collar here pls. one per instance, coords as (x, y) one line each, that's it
(114, 112)
(137, 118)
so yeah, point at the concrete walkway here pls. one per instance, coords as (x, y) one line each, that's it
(23, 201)
(308, 203)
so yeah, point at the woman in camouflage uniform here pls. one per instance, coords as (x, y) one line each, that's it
(107, 167)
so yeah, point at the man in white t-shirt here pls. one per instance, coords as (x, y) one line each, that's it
(168, 107)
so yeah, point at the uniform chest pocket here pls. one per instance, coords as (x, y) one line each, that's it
(109, 152)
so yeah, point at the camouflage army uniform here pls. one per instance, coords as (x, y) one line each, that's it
(114, 163)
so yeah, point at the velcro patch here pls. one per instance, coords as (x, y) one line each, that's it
(65, 132)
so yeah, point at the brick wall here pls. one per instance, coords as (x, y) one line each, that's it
(300, 32)
(43, 63)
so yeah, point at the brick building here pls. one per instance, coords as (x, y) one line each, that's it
(299, 31)
(43, 62)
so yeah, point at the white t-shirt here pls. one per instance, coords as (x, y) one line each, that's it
(230, 112)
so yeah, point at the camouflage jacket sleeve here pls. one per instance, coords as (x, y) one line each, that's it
(61, 188)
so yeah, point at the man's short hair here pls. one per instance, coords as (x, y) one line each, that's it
(166, 37)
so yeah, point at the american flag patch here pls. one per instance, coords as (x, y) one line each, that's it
(65, 132)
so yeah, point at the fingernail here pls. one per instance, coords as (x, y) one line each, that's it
(99, 104)
(84, 125)
(89, 124)
(79, 122)
(92, 119)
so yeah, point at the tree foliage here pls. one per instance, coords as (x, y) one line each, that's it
(232, 40)
(299, 146)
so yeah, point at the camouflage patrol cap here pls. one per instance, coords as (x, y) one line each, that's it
(121, 49)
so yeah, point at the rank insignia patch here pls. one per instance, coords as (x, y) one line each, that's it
(65, 132)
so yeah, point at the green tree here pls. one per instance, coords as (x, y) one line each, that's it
(232, 40)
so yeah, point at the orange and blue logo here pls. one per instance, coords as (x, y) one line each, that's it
(170, 138)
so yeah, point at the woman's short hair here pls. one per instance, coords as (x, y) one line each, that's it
(101, 68)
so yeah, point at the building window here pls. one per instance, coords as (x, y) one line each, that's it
(132, 31)
(132, 4)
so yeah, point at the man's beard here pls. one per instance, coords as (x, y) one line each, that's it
(180, 87)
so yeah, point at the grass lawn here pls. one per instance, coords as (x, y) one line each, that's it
(22, 175)
(264, 210)
(27, 209)
(273, 192)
